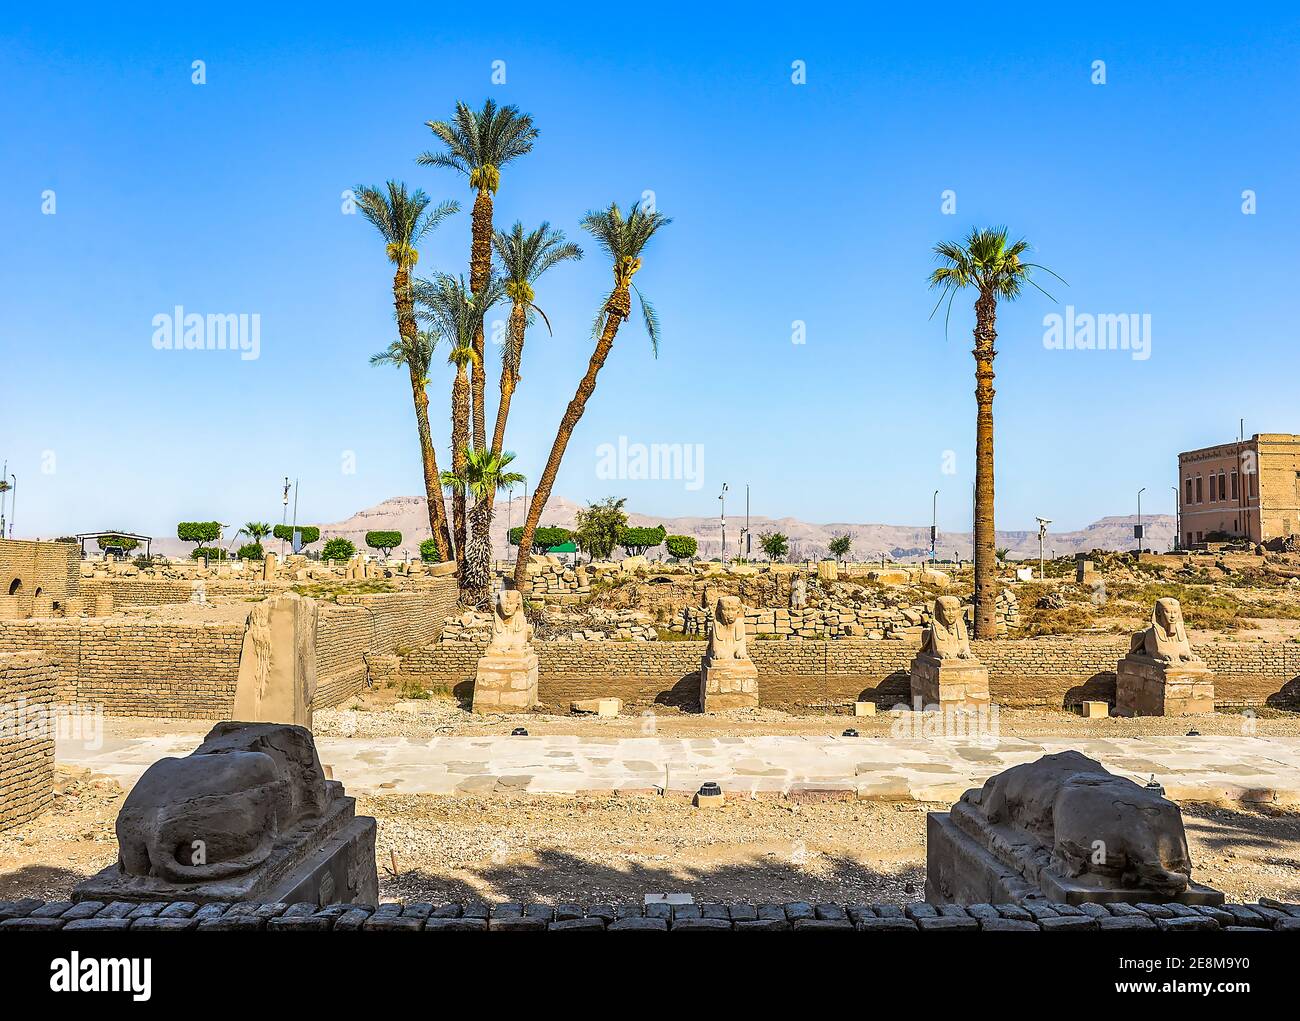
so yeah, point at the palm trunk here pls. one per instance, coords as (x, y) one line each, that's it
(986, 567)
(477, 577)
(509, 378)
(460, 398)
(406, 326)
(480, 268)
(616, 308)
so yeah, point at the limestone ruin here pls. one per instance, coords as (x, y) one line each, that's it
(945, 673)
(1161, 675)
(506, 677)
(728, 677)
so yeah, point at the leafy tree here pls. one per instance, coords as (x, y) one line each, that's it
(484, 473)
(252, 551)
(681, 547)
(403, 221)
(198, 532)
(116, 541)
(208, 553)
(635, 541)
(384, 540)
(775, 545)
(997, 271)
(599, 526)
(840, 545)
(338, 548)
(478, 143)
(456, 314)
(523, 258)
(623, 239)
(309, 533)
(543, 539)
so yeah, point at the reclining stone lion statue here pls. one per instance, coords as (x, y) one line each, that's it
(219, 811)
(1082, 820)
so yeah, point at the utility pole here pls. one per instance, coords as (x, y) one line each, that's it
(1178, 527)
(13, 502)
(1137, 529)
(1042, 535)
(934, 524)
(284, 514)
(722, 499)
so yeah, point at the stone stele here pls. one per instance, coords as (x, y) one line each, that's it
(728, 677)
(945, 672)
(1161, 675)
(506, 679)
(277, 664)
(1060, 829)
(247, 816)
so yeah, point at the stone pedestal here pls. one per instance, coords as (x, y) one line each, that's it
(506, 682)
(277, 662)
(1144, 687)
(727, 684)
(949, 682)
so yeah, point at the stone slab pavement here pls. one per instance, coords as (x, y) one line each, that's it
(1215, 769)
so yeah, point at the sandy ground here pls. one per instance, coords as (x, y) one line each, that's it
(589, 850)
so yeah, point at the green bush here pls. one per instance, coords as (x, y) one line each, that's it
(635, 541)
(338, 549)
(122, 542)
(252, 551)
(198, 531)
(429, 551)
(775, 544)
(544, 538)
(310, 533)
(383, 540)
(681, 547)
(209, 552)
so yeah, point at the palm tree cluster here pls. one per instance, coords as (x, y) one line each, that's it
(445, 308)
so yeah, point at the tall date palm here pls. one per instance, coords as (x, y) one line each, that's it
(478, 143)
(623, 238)
(997, 271)
(403, 221)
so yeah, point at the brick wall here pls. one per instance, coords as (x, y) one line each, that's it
(52, 567)
(1053, 672)
(26, 759)
(181, 669)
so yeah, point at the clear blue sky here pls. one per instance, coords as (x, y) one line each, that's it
(818, 202)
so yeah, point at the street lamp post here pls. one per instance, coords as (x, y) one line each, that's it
(722, 499)
(1137, 530)
(13, 502)
(1178, 525)
(934, 524)
(1042, 535)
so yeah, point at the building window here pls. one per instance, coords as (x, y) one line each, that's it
(1189, 538)
(1254, 485)
(1234, 486)
(1189, 490)
(1223, 486)
(1200, 491)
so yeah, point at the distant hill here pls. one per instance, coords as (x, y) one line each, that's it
(407, 514)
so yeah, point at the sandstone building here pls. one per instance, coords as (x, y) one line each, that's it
(1247, 488)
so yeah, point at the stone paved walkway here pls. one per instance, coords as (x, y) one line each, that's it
(1224, 770)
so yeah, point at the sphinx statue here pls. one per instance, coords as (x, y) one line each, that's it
(946, 637)
(1064, 829)
(728, 677)
(798, 592)
(248, 815)
(1161, 675)
(506, 678)
(945, 672)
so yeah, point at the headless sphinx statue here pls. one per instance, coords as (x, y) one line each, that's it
(946, 636)
(1165, 641)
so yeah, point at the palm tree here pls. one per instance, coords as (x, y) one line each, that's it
(524, 258)
(478, 144)
(483, 472)
(256, 530)
(403, 221)
(456, 313)
(996, 269)
(623, 239)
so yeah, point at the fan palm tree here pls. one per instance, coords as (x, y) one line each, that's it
(524, 258)
(256, 530)
(456, 313)
(478, 144)
(623, 238)
(404, 220)
(997, 271)
(483, 472)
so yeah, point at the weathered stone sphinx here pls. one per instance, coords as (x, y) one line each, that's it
(945, 672)
(506, 679)
(1161, 675)
(1060, 829)
(277, 663)
(247, 816)
(728, 677)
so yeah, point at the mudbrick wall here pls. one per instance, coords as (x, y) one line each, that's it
(136, 666)
(1053, 672)
(27, 689)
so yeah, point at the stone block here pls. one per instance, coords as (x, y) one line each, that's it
(1147, 688)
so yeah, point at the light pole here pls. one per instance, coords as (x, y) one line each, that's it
(722, 499)
(1137, 529)
(1178, 526)
(13, 502)
(934, 524)
(284, 514)
(1042, 534)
